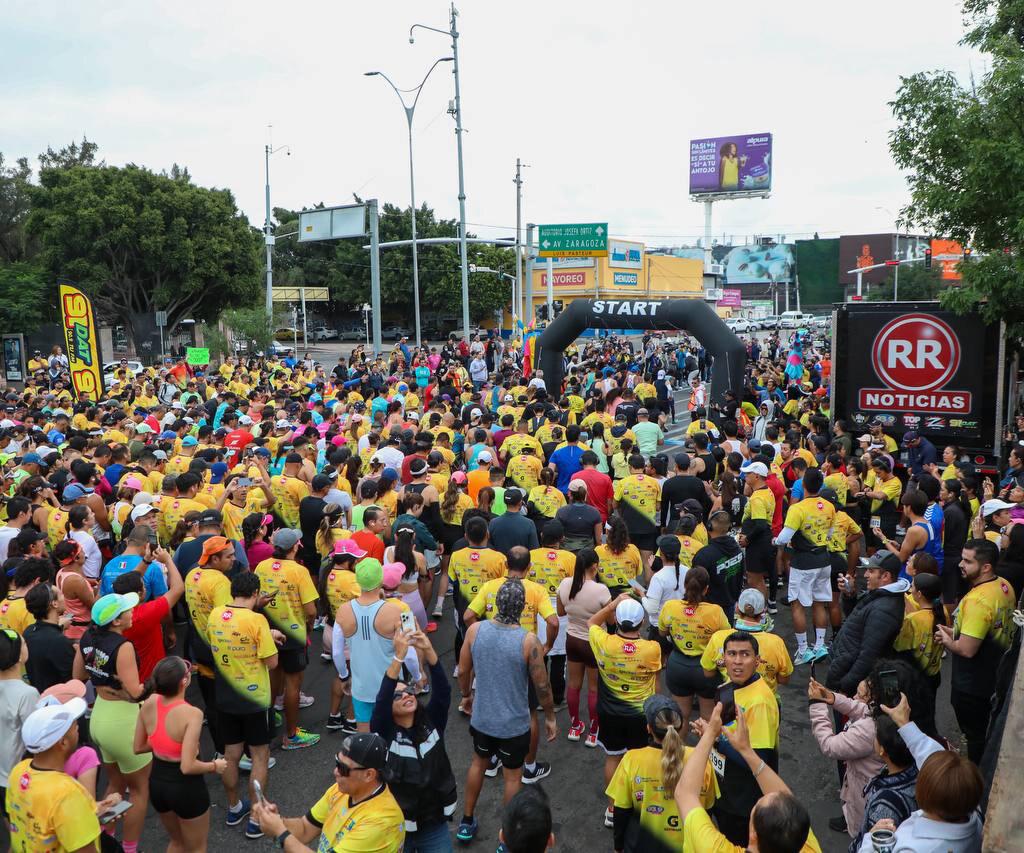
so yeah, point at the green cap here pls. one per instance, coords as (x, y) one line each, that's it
(369, 574)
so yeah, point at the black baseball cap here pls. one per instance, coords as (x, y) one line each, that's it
(366, 749)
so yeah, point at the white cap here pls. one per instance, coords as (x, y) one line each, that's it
(577, 485)
(177, 405)
(509, 398)
(751, 602)
(6, 423)
(476, 413)
(758, 468)
(141, 510)
(484, 456)
(245, 420)
(282, 424)
(47, 725)
(160, 454)
(995, 505)
(629, 612)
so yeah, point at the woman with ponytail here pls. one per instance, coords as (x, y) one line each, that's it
(646, 819)
(689, 623)
(255, 529)
(916, 639)
(330, 531)
(107, 658)
(415, 563)
(169, 728)
(78, 593)
(78, 527)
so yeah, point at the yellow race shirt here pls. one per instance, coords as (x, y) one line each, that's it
(292, 587)
(547, 499)
(470, 568)
(14, 614)
(691, 626)
(514, 444)
(204, 590)
(616, 570)
(524, 470)
(637, 786)
(240, 641)
(891, 488)
(985, 613)
(288, 491)
(628, 669)
(233, 517)
(550, 566)
(688, 548)
(56, 528)
(50, 812)
(774, 656)
(340, 587)
(917, 636)
(638, 497)
(537, 602)
(463, 503)
(844, 531)
(700, 835)
(373, 825)
(812, 519)
(173, 510)
(838, 483)
(761, 507)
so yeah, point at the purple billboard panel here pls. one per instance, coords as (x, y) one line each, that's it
(731, 164)
(731, 299)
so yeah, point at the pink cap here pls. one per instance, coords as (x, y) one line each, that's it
(338, 440)
(133, 483)
(393, 573)
(349, 547)
(268, 520)
(459, 477)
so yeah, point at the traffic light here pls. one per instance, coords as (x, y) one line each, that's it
(542, 311)
(967, 253)
(557, 306)
(928, 258)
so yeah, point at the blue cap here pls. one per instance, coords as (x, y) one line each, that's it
(139, 410)
(33, 459)
(74, 492)
(217, 472)
(168, 433)
(262, 451)
(189, 441)
(55, 437)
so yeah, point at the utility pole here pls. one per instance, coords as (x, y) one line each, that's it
(528, 290)
(371, 212)
(517, 308)
(268, 233)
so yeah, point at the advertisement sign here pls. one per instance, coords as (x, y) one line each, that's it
(731, 164)
(625, 279)
(625, 255)
(197, 356)
(564, 263)
(14, 358)
(731, 299)
(864, 250)
(947, 254)
(919, 367)
(81, 341)
(760, 264)
(565, 279)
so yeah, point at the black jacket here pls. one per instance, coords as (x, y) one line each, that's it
(868, 634)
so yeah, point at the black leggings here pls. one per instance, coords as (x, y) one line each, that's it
(170, 790)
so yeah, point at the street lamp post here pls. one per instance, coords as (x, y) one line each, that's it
(515, 290)
(409, 112)
(454, 33)
(268, 237)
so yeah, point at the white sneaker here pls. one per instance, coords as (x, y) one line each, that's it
(245, 763)
(304, 701)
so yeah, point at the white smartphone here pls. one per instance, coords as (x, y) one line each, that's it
(408, 622)
(257, 789)
(639, 587)
(115, 811)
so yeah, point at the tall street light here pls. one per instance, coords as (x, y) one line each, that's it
(457, 111)
(268, 236)
(409, 111)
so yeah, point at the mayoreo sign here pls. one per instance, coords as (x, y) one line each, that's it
(915, 356)
(565, 279)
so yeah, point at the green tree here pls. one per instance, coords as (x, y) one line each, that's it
(251, 325)
(24, 297)
(963, 149)
(15, 206)
(916, 284)
(137, 242)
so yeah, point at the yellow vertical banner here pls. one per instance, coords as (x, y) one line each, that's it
(82, 342)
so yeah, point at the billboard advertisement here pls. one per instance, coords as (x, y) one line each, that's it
(915, 370)
(731, 299)
(731, 164)
(625, 255)
(564, 279)
(858, 251)
(942, 250)
(760, 264)
(81, 342)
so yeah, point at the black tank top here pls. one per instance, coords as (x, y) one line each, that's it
(99, 652)
(431, 516)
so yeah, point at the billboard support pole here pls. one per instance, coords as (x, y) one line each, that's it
(371, 209)
(551, 289)
(860, 284)
(528, 315)
(708, 258)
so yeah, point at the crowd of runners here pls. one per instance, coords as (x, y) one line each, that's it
(613, 554)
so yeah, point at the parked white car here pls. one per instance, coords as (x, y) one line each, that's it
(740, 326)
(110, 366)
(794, 319)
(323, 333)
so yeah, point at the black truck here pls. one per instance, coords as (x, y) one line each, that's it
(914, 366)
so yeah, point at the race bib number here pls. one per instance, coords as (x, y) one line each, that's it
(718, 762)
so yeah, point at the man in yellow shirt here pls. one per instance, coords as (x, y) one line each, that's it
(777, 816)
(638, 500)
(289, 490)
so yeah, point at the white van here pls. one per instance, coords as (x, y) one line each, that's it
(794, 319)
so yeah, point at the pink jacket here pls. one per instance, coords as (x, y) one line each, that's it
(855, 745)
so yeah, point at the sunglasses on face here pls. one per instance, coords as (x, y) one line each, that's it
(403, 692)
(343, 769)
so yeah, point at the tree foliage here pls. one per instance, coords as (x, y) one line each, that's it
(915, 284)
(15, 206)
(251, 325)
(137, 242)
(24, 297)
(963, 149)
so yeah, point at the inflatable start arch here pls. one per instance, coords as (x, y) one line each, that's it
(691, 315)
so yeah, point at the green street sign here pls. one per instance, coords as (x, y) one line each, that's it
(586, 240)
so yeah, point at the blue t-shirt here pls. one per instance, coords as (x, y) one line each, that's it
(567, 460)
(153, 579)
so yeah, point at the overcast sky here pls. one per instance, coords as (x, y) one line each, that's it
(600, 98)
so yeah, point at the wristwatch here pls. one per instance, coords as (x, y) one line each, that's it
(282, 838)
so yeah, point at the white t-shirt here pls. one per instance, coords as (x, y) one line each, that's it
(93, 565)
(6, 535)
(17, 701)
(663, 588)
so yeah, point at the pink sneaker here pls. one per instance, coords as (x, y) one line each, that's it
(576, 731)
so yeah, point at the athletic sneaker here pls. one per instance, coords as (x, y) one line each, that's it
(820, 652)
(319, 623)
(806, 656)
(236, 816)
(773, 608)
(609, 818)
(300, 740)
(304, 701)
(494, 767)
(245, 763)
(541, 770)
(252, 830)
(431, 627)
(336, 723)
(438, 611)
(576, 731)
(467, 830)
(326, 657)
(591, 740)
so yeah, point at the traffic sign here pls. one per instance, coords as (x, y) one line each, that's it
(583, 240)
(294, 294)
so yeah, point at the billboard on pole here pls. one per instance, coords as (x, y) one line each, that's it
(726, 165)
(760, 264)
(81, 341)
